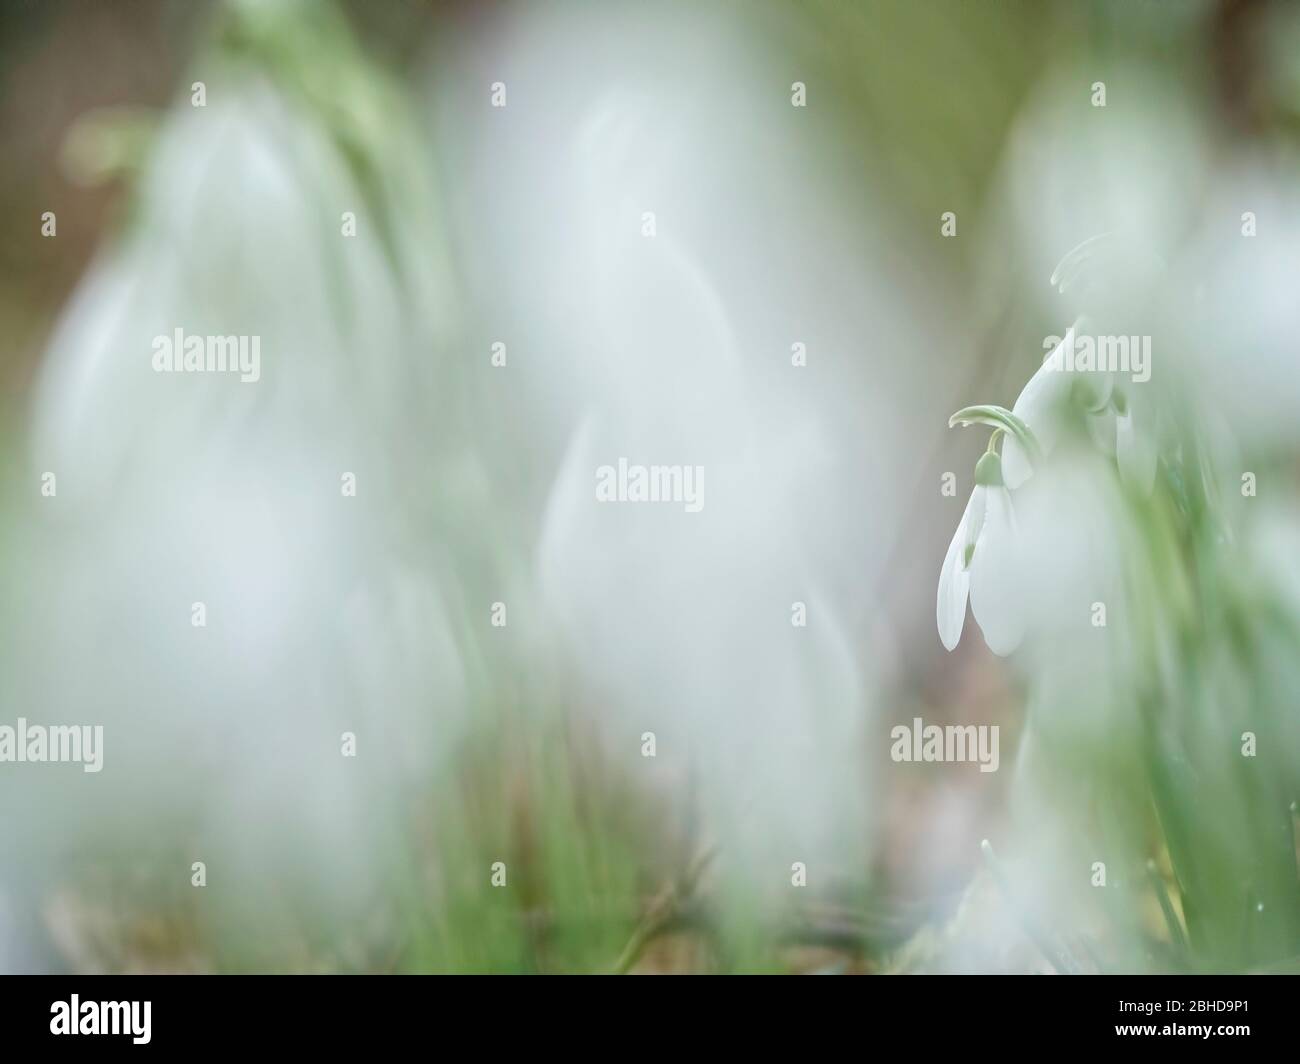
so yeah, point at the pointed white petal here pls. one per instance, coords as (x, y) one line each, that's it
(954, 584)
(1015, 463)
(1037, 407)
(995, 595)
(972, 523)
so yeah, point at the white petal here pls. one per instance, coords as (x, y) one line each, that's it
(995, 596)
(973, 524)
(954, 583)
(1101, 428)
(1037, 407)
(1096, 388)
(1015, 463)
(1135, 451)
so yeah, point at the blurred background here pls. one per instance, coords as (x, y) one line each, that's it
(782, 242)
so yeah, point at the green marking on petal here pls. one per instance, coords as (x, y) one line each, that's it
(988, 470)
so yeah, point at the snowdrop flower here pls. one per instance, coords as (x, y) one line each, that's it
(981, 564)
(1116, 423)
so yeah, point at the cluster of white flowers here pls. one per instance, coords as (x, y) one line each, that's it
(983, 558)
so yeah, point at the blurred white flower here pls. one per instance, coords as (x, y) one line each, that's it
(1134, 176)
(981, 564)
(321, 617)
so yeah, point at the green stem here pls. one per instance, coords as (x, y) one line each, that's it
(1176, 933)
(1000, 417)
